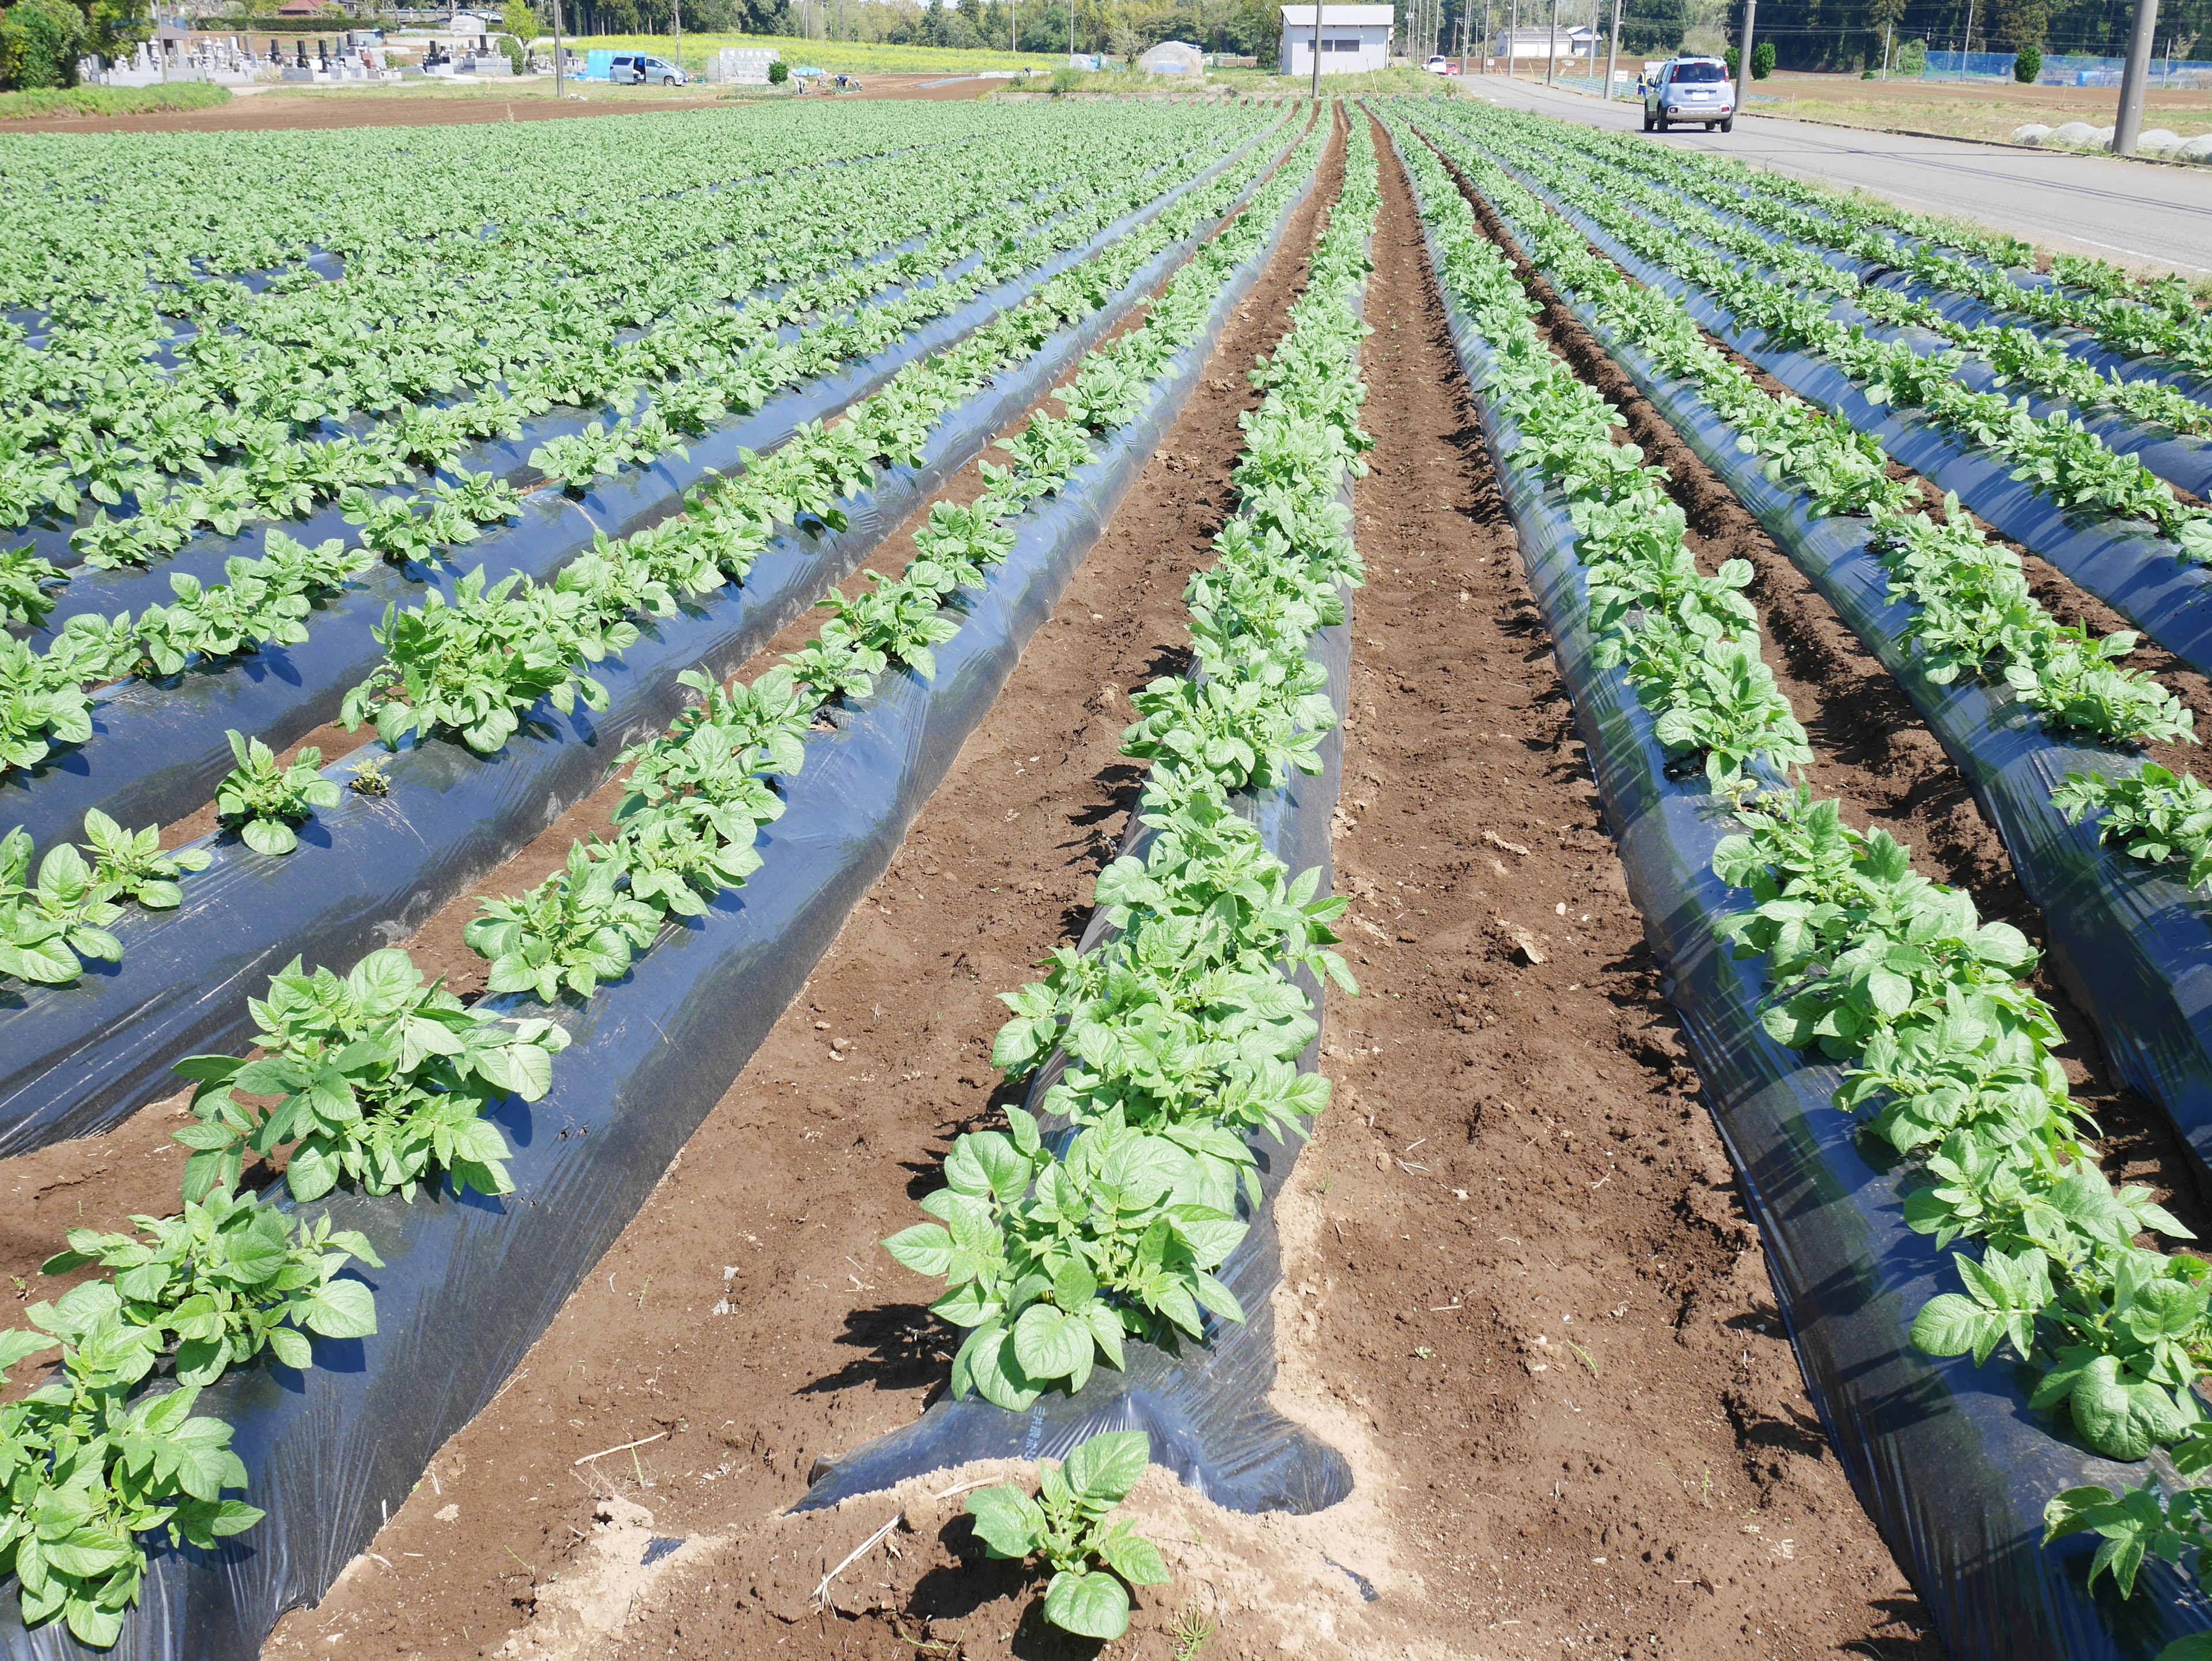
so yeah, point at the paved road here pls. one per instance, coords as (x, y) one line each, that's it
(2132, 211)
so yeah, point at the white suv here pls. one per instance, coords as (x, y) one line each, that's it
(1688, 90)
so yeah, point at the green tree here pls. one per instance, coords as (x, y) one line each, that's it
(2027, 66)
(41, 41)
(117, 26)
(1884, 18)
(1762, 59)
(2019, 23)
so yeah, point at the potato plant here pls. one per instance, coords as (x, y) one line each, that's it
(263, 801)
(1948, 1051)
(1065, 1525)
(1183, 1030)
(379, 1079)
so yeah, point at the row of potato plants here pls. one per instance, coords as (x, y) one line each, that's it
(2016, 358)
(226, 439)
(2127, 312)
(2018, 353)
(472, 670)
(2060, 458)
(1184, 1021)
(700, 359)
(380, 1080)
(414, 313)
(1181, 1030)
(45, 696)
(1974, 613)
(1948, 1052)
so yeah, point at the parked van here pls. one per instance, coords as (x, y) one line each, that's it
(634, 68)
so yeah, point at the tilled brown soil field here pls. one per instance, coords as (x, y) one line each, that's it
(1521, 1294)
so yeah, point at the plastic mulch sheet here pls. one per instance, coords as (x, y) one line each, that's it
(1947, 1457)
(158, 748)
(2127, 564)
(76, 1059)
(471, 1283)
(2132, 945)
(1206, 1409)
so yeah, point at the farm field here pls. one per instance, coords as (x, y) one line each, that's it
(1055, 877)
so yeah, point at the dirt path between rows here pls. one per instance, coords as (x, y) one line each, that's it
(1872, 749)
(1520, 1292)
(101, 1182)
(748, 1311)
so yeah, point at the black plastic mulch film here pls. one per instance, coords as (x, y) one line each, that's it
(158, 747)
(1204, 1409)
(2131, 942)
(1947, 1457)
(75, 1060)
(470, 1283)
(2183, 461)
(2123, 562)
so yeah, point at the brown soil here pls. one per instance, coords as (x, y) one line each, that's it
(1495, 1124)
(1872, 751)
(101, 1182)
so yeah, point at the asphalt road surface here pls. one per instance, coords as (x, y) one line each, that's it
(2136, 212)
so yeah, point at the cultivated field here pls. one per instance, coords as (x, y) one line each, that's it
(1210, 877)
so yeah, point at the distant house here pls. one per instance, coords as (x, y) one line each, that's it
(1353, 39)
(1534, 40)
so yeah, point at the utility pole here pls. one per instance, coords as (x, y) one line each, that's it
(560, 69)
(1968, 51)
(1071, 34)
(1317, 50)
(1552, 55)
(1486, 36)
(1612, 51)
(1886, 29)
(1512, 29)
(677, 6)
(1743, 57)
(2129, 126)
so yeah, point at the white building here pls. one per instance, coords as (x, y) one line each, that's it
(1534, 40)
(1353, 39)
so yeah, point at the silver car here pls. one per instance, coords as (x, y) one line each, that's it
(1687, 89)
(634, 68)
